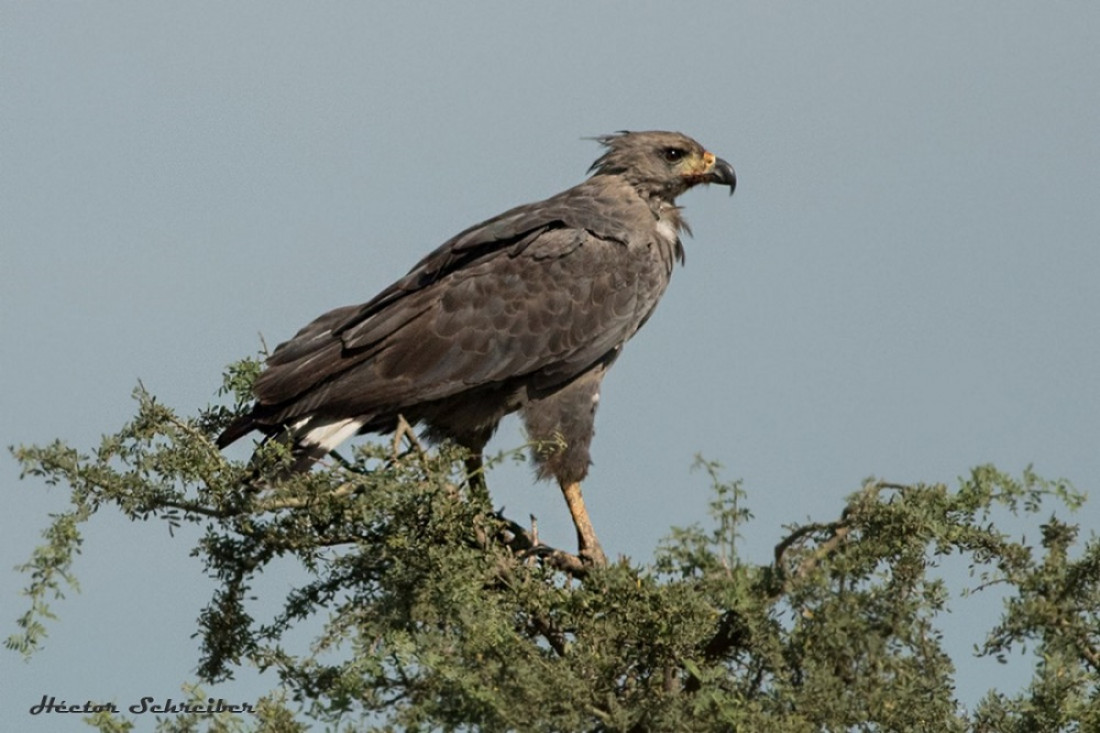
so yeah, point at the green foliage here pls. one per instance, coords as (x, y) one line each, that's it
(438, 614)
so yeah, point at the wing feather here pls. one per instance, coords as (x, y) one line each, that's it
(543, 290)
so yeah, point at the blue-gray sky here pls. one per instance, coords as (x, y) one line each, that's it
(905, 284)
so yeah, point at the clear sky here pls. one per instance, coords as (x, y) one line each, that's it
(905, 284)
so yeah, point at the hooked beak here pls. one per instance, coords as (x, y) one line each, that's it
(722, 173)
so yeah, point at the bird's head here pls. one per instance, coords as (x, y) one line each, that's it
(660, 163)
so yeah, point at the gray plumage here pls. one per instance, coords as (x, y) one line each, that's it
(525, 311)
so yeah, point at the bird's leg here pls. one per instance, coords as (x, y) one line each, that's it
(475, 477)
(588, 545)
(405, 430)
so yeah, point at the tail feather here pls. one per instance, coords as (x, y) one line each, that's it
(236, 430)
(315, 437)
(310, 438)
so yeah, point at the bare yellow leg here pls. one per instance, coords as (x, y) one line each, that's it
(589, 546)
(475, 477)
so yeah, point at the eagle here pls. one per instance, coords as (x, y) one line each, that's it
(524, 312)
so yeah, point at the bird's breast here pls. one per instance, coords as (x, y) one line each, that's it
(666, 230)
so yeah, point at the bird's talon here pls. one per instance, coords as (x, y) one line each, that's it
(593, 557)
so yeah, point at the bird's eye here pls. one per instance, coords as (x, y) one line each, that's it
(673, 155)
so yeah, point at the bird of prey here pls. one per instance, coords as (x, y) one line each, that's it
(523, 312)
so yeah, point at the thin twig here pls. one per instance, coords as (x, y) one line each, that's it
(191, 508)
(827, 548)
(345, 463)
(838, 533)
(297, 502)
(1087, 651)
(211, 447)
(797, 536)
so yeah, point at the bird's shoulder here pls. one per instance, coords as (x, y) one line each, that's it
(605, 207)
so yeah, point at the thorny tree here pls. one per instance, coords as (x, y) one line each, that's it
(436, 613)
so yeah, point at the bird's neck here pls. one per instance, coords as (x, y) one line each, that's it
(668, 214)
